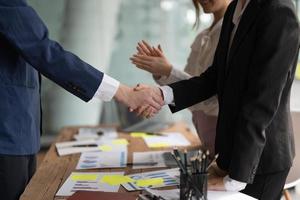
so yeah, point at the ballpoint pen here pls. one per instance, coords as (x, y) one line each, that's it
(143, 163)
(83, 145)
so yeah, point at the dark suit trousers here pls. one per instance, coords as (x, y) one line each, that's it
(15, 174)
(267, 186)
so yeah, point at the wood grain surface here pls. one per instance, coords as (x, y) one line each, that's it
(54, 170)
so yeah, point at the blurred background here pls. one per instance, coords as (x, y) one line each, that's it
(104, 33)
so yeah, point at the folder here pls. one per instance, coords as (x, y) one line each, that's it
(84, 195)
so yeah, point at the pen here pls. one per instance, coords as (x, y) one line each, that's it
(84, 145)
(143, 163)
(158, 134)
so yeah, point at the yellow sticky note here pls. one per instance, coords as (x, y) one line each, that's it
(120, 142)
(298, 71)
(159, 145)
(150, 182)
(105, 148)
(139, 134)
(116, 179)
(83, 177)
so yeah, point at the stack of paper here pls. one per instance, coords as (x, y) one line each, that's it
(88, 181)
(96, 133)
(66, 148)
(93, 160)
(168, 140)
(155, 179)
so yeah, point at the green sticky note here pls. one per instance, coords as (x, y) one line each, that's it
(120, 142)
(149, 182)
(138, 134)
(116, 179)
(83, 177)
(298, 71)
(105, 148)
(159, 145)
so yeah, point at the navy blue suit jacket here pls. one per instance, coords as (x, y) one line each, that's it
(26, 52)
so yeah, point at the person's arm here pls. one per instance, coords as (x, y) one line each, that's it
(25, 31)
(175, 76)
(271, 67)
(188, 92)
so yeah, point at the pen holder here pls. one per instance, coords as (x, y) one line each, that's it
(193, 186)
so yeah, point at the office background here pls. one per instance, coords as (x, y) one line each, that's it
(104, 33)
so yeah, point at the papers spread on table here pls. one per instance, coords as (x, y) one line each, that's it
(96, 133)
(92, 160)
(87, 181)
(151, 159)
(168, 140)
(211, 195)
(66, 148)
(155, 179)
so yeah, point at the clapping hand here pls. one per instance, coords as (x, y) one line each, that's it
(151, 59)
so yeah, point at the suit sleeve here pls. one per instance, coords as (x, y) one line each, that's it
(271, 67)
(26, 32)
(194, 90)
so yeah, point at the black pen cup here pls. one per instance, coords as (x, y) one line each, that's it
(193, 186)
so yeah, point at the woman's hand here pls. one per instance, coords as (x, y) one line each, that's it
(151, 59)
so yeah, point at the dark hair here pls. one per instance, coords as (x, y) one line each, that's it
(197, 8)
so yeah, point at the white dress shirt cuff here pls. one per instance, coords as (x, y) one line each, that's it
(168, 94)
(233, 185)
(107, 88)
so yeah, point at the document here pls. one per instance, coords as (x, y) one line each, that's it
(96, 133)
(73, 147)
(155, 179)
(168, 140)
(87, 181)
(93, 160)
(151, 159)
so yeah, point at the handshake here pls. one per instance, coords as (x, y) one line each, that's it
(144, 100)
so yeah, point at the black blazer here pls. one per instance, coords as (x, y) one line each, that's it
(254, 129)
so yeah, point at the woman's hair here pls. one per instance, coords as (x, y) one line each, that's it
(197, 8)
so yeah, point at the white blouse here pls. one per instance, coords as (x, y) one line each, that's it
(201, 57)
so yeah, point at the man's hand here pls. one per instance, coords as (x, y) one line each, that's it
(144, 100)
(146, 110)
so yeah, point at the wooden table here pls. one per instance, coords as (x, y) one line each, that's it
(54, 170)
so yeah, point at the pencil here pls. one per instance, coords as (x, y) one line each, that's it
(211, 163)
